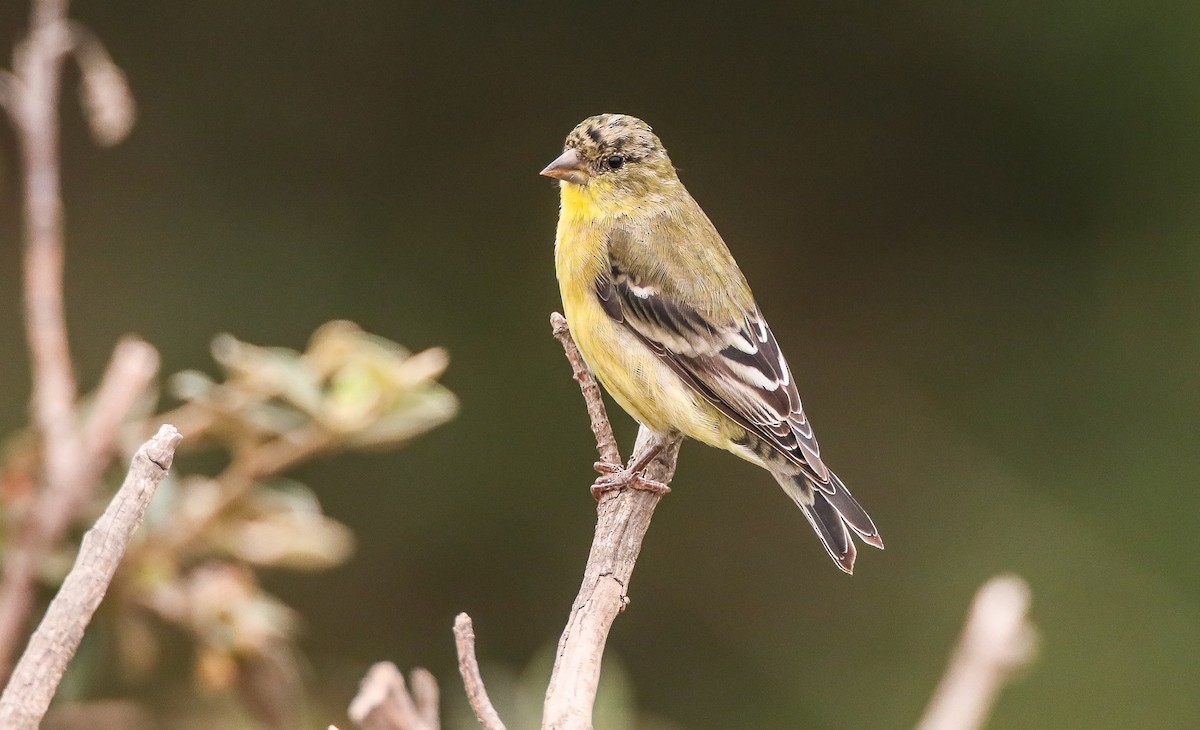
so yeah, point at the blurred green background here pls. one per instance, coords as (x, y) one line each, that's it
(973, 228)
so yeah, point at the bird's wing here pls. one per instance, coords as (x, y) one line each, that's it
(736, 366)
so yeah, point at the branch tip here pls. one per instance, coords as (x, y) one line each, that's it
(36, 676)
(623, 517)
(104, 91)
(997, 641)
(373, 690)
(468, 667)
(384, 702)
(558, 324)
(160, 449)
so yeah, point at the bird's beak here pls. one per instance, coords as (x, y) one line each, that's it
(568, 167)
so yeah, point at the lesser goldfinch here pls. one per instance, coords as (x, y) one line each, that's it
(664, 317)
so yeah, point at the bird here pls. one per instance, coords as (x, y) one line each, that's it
(665, 319)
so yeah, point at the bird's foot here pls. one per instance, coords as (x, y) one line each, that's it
(614, 478)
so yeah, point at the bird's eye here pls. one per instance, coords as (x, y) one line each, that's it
(616, 162)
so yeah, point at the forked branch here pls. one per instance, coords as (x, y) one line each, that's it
(72, 458)
(997, 641)
(622, 519)
(385, 702)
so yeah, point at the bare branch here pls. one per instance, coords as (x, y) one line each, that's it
(468, 667)
(104, 92)
(384, 702)
(35, 679)
(426, 696)
(622, 518)
(16, 596)
(131, 369)
(38, 68)
(621, 523)
(31, 94)
(997, 641)
(133, 366)
(606, 442)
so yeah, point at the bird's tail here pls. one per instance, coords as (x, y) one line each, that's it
(830, 509)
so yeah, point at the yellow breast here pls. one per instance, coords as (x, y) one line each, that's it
(633, 375)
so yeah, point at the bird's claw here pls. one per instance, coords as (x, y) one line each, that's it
(607, 467)
(614, 478)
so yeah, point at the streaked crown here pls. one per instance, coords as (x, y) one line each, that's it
(600, 138)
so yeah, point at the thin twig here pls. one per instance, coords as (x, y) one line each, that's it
(426, 696)
(16, 595)
(71, 465)
(37, 64)
(104, 92)
(606, 442)
(468, 667)
(52, 646)
(133, 366)
(384, 702)
(131, 369)
(32, 92)
(622, 518)
(997, 641)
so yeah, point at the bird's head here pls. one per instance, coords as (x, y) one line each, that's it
(616, 160)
